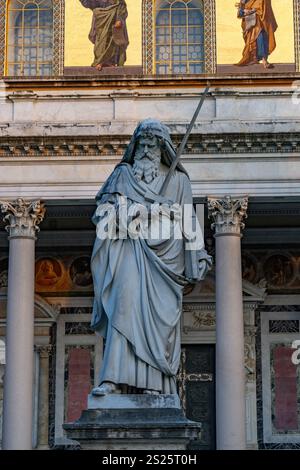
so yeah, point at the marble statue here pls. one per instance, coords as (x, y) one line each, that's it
(139, 277)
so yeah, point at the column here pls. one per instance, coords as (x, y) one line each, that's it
(227, 215)
(22, 220)
(43, 403)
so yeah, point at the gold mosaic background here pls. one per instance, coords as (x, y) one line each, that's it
(79, 50)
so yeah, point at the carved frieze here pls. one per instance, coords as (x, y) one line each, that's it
(105, 145)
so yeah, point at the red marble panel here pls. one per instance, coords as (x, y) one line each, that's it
(79, 382)
(286, 412)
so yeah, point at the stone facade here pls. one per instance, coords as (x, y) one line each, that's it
(60, 139)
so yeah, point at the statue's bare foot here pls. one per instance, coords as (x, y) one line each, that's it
(105, 389)
(99, 67)
(267, 64)
(150, 392)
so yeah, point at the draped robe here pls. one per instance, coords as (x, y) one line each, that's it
(138, 290)
(110, 44)
(259, 40)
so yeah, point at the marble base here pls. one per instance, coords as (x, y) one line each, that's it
(133, 422)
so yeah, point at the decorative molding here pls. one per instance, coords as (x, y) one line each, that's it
(297, 33)
(43, 350)
(210, 37)
(199, 144)
(148, 22)
(203, 319)
(199, 307)
(56, 309)
(22, 217)
(2, 35)
(45, 314)
(3, 279)
(228, 215)
(284, 326)
(250, 353)
(58, 36)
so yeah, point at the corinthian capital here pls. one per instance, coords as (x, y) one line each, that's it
(228, 215)
(22, 217)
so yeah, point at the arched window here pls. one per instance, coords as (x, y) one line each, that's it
(30, 37)
(179, 37)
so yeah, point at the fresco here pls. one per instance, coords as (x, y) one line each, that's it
(62, 274)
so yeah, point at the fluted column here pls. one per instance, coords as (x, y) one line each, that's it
(22, 219)
(228, 215)
(43, 406)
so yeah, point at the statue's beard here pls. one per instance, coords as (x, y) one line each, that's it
(146, 169)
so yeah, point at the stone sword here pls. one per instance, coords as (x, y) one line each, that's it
(161, 196)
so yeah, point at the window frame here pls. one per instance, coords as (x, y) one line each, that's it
(58, 38)
(182, 58)
(149, 34)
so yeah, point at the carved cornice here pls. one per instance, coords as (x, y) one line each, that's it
(199, 307)
(227, 215)
(105, 145)
(22, 217)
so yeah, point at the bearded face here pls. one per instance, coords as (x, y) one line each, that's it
(147, 158)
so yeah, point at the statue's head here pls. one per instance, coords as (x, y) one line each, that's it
(150, 145)
(147, 155)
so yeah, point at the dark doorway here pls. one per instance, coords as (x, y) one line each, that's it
(196, 383)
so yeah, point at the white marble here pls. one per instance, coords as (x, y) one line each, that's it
(18, 384)
(22, 219)
(265, 106)
(80, 178)
(227, 215)
(106, 112)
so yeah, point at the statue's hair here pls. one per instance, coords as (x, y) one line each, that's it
(153, 127)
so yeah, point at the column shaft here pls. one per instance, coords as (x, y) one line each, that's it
(230, 375)
(18, 383)
(22, 224)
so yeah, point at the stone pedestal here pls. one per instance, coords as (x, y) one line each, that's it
(133, 422)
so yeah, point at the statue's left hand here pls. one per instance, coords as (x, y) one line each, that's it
(205, 263)
(118, 24)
